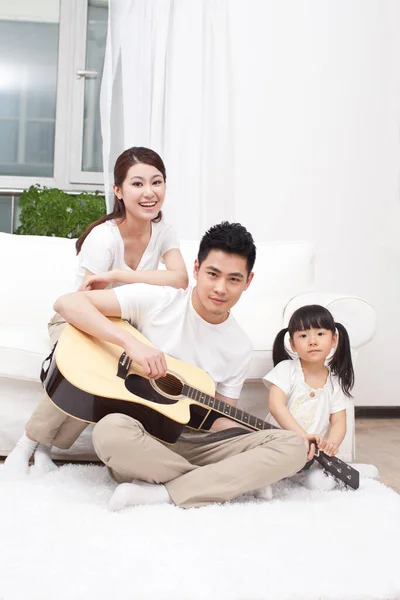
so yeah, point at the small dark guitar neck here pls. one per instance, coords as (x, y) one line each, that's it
(240, 416)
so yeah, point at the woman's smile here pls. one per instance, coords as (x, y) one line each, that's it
(148, 204)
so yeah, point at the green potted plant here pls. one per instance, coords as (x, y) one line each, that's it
(52, 212)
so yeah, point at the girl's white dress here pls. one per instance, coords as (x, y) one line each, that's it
(310, 407)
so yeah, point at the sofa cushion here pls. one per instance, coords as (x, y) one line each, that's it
(36, 270)
(261, 363)
(22, 351)
(46, 269)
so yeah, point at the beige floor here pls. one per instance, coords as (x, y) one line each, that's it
(378, 443)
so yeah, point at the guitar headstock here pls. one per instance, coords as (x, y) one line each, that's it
(339, 469)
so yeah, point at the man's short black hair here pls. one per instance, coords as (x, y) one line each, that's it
(232, 238)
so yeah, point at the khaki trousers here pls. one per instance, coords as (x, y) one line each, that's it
(48, 424)
(196, 473)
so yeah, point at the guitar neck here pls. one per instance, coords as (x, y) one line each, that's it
(225, 409)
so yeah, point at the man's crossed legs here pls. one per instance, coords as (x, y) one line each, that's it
(193, 472)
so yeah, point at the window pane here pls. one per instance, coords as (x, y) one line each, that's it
(41, 105)
(39, 148)
(95, 49)
(9, 105)
(28, 80)
(9, 142)
(5, 214)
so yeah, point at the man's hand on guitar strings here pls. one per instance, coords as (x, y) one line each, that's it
(150, 359)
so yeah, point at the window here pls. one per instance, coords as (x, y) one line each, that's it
(86, 154)
(5, 213)
(50, 75)
(28, 87)
(96, 36)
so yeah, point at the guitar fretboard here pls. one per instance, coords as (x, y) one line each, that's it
(226, 409)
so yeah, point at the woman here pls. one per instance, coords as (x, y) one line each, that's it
(125, 246)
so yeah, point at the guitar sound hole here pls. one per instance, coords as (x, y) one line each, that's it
(170, 385)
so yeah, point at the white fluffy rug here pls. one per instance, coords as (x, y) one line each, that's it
(59, 541)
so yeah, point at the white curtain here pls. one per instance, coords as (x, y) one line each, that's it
(169, 84)
(283, 116)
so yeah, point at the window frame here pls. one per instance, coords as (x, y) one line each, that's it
(68, 142)
(77, 175)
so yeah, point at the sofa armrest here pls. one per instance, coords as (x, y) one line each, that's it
(356, 314)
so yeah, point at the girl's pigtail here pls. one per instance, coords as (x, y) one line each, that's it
(341, 363)
(279, 352)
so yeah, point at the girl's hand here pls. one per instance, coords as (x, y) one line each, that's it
(98, 282)
(312, 440)
(330, 448)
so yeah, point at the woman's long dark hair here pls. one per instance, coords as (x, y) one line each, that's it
(315, 316)
(124, 162)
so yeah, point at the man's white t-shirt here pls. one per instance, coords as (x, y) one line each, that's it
(166, 317)
(103, 250)
(310, 407)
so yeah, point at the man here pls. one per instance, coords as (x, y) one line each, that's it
(194, 325)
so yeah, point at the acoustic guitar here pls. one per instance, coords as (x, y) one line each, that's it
(89, 379)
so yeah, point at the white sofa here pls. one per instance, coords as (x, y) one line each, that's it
(36, 270)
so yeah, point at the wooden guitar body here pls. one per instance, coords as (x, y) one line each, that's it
(82, 382)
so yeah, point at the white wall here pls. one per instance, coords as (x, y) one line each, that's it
(322, 156)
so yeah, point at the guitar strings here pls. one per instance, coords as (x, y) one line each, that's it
(170, 384)
(169, 380)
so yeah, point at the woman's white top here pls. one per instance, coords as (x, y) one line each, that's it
(310, 407)
(103, 250)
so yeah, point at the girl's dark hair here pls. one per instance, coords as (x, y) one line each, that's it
(127, 159)
(315, 316)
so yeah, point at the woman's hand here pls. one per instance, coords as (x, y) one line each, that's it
(99, 281)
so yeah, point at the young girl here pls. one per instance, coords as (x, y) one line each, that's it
(124, 246)
(309, 393)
